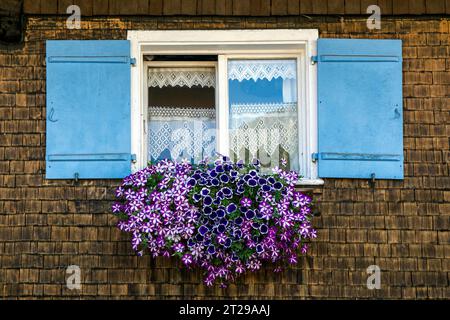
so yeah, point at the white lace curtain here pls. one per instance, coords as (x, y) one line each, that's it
(265, 130)
(181, 77)
(181, 132)
(261, 129)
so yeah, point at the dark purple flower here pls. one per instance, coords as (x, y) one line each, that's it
(220, 213)
(199, 237)
(250, 214)
(255, 225)
(227, 191)
(215, 182)
(227, 243)
(192, 182)
(207, 210)
(231, 208)
(252, 182)
(213, 173)
(203, 230)
(211, 249)
(238, 221)
(221, 228)
(263, 229)
(271, 180)
(207, 200)
(259, 248)
(205, 191)
(224, 178)
(219, 168)
(277, 185)
(266, 188)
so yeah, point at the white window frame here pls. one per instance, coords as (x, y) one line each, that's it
(229, 44)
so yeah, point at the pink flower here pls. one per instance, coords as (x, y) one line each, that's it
(246, 202)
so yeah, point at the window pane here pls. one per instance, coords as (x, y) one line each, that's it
(181, 114)
(263, 117)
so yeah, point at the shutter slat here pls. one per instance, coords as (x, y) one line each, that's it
(88, 109)
(360, 108)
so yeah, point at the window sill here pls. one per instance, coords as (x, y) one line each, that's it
(310, 182)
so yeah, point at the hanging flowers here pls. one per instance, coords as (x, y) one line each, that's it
(226, 218)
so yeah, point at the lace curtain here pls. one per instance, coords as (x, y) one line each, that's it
(263, 111)
(263, 117)
(187, 132)
(182, 77)
(181, 133)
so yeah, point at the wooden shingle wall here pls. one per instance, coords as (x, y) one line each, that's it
(237, 7)
(401, 226)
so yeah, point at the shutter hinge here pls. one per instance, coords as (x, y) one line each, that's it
(314, 157)
(314, 60)
(133, 158)
(76, 177)
(133, 61)
(372, 180)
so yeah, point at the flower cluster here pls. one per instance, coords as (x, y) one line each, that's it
(226, 218)
(153, 206)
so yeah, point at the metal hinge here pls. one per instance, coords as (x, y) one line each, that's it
(314, 59)
(133, 61)
(372, 180)
(133, 158)
(314, 157)
(76, 177)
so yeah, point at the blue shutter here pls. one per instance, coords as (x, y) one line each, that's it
(88, 109)
(360, 108)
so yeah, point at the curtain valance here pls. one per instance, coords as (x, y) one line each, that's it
(181, 77)
(261, 69)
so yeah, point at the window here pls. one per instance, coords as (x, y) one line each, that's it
(181, 112)
(242, 94)
(263, 114)
(282, 95)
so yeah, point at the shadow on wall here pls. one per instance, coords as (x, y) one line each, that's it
(11, 21)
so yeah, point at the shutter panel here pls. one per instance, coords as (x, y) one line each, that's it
(360, 109)
(88, 109)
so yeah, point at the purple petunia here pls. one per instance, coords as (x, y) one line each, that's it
(226, 218)
(246, 202)
(231, 208)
